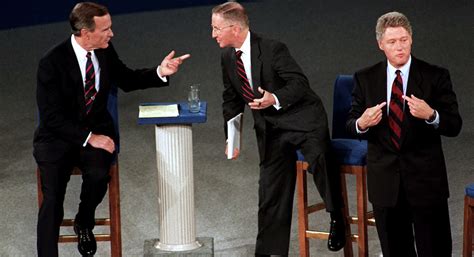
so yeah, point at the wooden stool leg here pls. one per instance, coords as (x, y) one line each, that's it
(114, 209)
(468, 226)
(361, 187)
(302, 209)
(345, 211)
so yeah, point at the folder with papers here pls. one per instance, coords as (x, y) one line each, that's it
(234, 131)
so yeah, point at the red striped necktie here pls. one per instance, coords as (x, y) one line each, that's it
(395, 114)
(247, 91)
(89, 88)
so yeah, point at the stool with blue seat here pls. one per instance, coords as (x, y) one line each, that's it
(113, 221)
(468, 221)
(350, 156)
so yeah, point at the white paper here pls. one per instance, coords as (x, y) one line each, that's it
(234, 129)
(158, 111)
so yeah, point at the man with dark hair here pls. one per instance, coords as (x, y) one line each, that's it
(75, 129)
(288, 116)
(403, 106)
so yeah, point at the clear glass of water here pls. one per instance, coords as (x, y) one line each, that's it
(193, 98)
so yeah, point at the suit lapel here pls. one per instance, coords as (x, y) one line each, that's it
(104, 84)
(233, 66)
(413, 88)
(414, 81)
(75, 73)
(256, 63)
(380, 89)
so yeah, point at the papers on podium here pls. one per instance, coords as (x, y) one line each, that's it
(234, 130)
(158, 111)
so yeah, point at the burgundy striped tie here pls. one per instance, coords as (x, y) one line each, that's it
(89, 88)
(395, 114)
(247, 91)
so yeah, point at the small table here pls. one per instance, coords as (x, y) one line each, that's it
(174, 155)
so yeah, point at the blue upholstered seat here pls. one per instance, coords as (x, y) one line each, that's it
(346, 150)
(349, 151)
(470, 190)
(350, 155)
(113, 110)
(300, 155)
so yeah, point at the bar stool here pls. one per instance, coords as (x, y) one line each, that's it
(113, 221)
(350, 156)
(468, 221)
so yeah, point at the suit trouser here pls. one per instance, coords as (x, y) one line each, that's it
(277, 185)
(94, 164)
(403, 226)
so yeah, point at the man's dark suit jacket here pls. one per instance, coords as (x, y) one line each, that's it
(274, 70)
(60, 97)
(419, 165)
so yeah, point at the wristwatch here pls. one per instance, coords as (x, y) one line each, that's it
(432, 117)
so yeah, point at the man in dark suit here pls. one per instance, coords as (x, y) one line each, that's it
(288, 116)
(75, 129)
(403, 106)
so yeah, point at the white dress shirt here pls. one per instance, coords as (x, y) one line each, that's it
(246, 59)
(391, 75)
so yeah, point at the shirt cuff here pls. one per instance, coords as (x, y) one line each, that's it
(277, 103)
(357, 128)
(435, 122)
(164, 79)
(87, 139)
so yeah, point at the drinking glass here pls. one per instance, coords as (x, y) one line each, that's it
(193, 98)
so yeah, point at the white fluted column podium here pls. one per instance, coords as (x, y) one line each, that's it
(174, 156)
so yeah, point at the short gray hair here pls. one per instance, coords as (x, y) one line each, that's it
(232, 11)
(391, 19)
(82, 16)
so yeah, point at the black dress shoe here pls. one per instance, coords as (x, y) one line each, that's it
(86, 241)
(337, 235)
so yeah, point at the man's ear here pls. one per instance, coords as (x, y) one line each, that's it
(236, 29)
(379, 42)
(83, 33)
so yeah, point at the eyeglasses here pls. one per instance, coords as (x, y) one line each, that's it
(219, 30)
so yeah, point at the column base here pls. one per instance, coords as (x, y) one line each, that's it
(206, 250)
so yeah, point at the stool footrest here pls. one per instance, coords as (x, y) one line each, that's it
(73, 238)
(98, 222)
(355, 220)
(317, 234)
(316, 207)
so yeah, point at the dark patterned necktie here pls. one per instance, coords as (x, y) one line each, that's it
(89, 88)
(247, 91)
(395, 114)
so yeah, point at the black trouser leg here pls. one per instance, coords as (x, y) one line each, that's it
(432, 230)
(95, 165)
(54, 179)
(316, 151)
(395, 228)
(276, 192)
